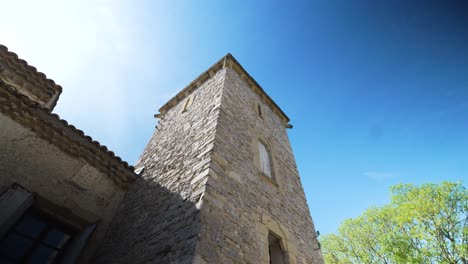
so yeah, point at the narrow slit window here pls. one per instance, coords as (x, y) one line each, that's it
(265, 160)
(187, 104)
(259, 108)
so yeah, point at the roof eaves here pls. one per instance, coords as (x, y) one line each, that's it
(226, 61)
(84, 145)
(32, 73)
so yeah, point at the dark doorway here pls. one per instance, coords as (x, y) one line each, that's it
(275, 250)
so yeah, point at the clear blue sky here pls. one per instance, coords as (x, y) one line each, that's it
(377, 91)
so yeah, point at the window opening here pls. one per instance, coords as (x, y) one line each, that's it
(276, 253)
(35, 238)
(265, 160)
(187, 104)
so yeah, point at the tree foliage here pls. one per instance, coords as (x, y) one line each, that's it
(421, 224)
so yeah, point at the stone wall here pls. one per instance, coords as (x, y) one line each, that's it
(201, 197)
(159, 220)
(71, 185)
(241, 206)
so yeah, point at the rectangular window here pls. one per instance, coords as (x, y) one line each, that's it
(35, 238)
(28, 235)
(265, 161)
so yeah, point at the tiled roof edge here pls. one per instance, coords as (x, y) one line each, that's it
(31, 70)
(63, 128)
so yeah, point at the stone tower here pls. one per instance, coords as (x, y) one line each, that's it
(219, 183)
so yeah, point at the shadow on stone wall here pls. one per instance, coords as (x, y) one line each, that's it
(152, 225)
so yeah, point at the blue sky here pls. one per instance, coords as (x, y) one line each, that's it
(377, 91)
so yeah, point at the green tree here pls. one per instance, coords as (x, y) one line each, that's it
(421, 224)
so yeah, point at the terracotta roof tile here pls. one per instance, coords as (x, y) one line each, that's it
(61, 126)
(34, 73)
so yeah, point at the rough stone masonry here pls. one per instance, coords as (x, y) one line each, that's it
(202, 197)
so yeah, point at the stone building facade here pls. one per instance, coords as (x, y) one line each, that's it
(217, 181)
(59, 189)
(203, 196)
